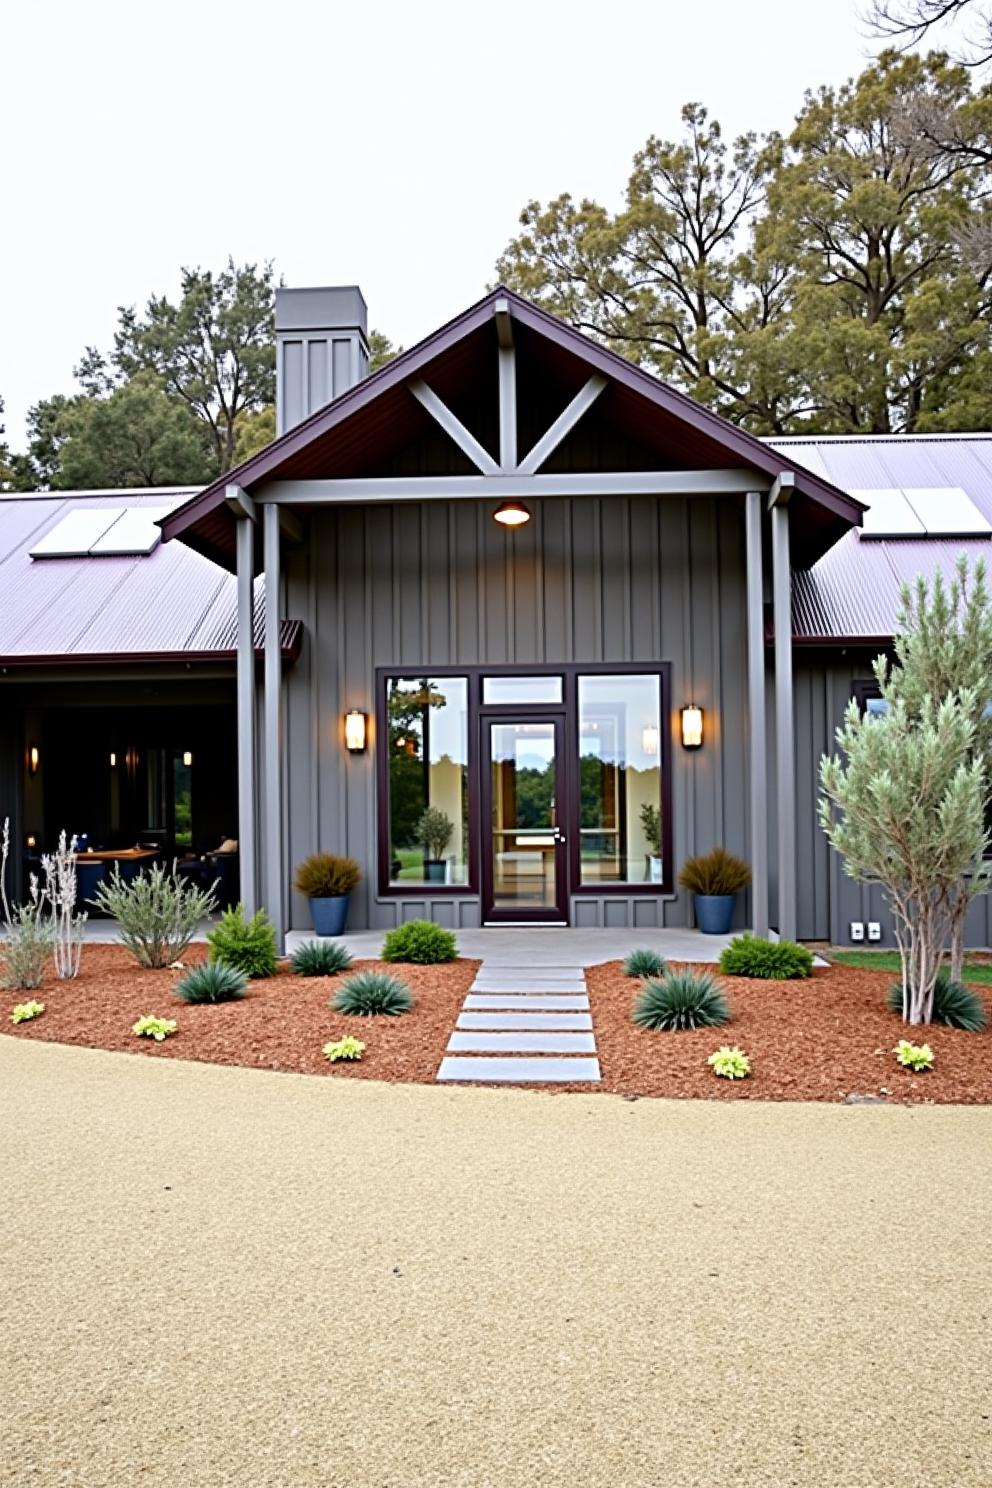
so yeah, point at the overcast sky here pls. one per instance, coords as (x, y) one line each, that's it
(386, 144)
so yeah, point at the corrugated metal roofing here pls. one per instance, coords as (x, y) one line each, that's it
(170, 603)
(852, 592)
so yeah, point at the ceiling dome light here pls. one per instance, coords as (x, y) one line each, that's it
(511, 513)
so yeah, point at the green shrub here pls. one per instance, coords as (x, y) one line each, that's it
(247, 945)
(25, 1011)
(954, 1004)
(420, 941)
(345, 1048)
(320, 958)
(151, 1027)
(644, 964)
(917, 1057)
(771, 960)
(730, 1063)
(681, 999)
(326, 876)
(214, 981)
(29, 943)
(370, 994)
(157, 912)
(716, 872)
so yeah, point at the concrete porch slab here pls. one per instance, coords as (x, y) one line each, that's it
(533, 947)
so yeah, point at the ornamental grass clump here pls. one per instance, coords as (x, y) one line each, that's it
(730, 1063)
(644, 964)
(915, 1057)
(776, 961)
(320, 958)
(155, 1028)
(345, 1048)
(681, 999)
(214, 981)
(421, 942)
(30, 935)
(25, 1011)
(247, 945)
(954, 1004)
(373, 994)
(715, 873)
(326, 876)
(158, 913)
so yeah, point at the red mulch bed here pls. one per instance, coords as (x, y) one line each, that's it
(281, 1023)
(822, 1039)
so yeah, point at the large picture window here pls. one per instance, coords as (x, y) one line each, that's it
(427, 774)
(620, 797)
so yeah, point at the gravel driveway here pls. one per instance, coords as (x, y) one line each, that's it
(215, 1276)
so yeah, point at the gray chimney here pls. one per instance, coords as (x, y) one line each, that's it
(322, 349)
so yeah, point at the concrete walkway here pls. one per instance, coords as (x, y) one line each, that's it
(548, 946)
(218, 1276)
(524, 1025)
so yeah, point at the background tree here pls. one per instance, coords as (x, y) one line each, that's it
(136, 436)
(908, 22)
(16, 473)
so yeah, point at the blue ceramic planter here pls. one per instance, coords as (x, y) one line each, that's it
(715, 913)
(329, 916)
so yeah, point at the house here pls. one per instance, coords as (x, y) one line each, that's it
(509, 580)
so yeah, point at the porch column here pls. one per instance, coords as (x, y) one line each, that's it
(273, 716)
(785, 748)
(758, 761)
(247, 825)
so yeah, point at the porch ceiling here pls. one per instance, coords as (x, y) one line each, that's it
(638, 423)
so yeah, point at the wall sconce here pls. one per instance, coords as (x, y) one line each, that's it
(511, 514)
(34, 759)
(187, 757)
(649, 739)
(30, 840)
(692, 726)
(354, 731)
(113, 759)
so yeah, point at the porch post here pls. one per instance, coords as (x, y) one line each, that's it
(273, 711)
(758, 762)
(247, 827)
(785, 748)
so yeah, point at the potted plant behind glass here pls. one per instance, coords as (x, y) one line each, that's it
(327, 881)
(715, 880)
(651, 827)
(433, 833)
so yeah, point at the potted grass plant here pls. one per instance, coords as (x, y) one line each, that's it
(434, 831)
(327, 882)
(715, 880)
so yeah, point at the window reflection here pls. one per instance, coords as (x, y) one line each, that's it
(427, 739)
(620, 822)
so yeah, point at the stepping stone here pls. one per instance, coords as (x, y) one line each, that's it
(521, 1043)
(537, 1002)
(528, 986)
(519, 1071)
(529, 974)
(536, 1022)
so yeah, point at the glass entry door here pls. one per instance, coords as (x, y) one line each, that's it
(523, 845)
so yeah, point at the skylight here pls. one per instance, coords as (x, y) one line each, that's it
(921, 511)
(102, 532)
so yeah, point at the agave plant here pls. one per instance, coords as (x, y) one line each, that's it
(644, 963)
(370, 994)
(320, 958)
(682, 999)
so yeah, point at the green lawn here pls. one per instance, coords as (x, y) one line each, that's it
(980, 972)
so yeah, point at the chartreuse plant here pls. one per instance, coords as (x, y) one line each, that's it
(730, 1063)
(954, 1004)
(370, 994)
(771, 960)
(25, 1011)
(916, 1057)
(213, 981)
(644, 964)
(247, 945)
(681, 999)
(155, 1028)
(320, 958)
(420, 941)
(345, 1048)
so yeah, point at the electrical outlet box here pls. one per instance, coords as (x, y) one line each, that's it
(874, 930)
(857, 930)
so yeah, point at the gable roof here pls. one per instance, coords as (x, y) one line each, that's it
(379, 413)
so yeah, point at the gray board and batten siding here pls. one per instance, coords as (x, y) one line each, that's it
(590, 580)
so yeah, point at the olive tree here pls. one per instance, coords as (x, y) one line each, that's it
(904, 807)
